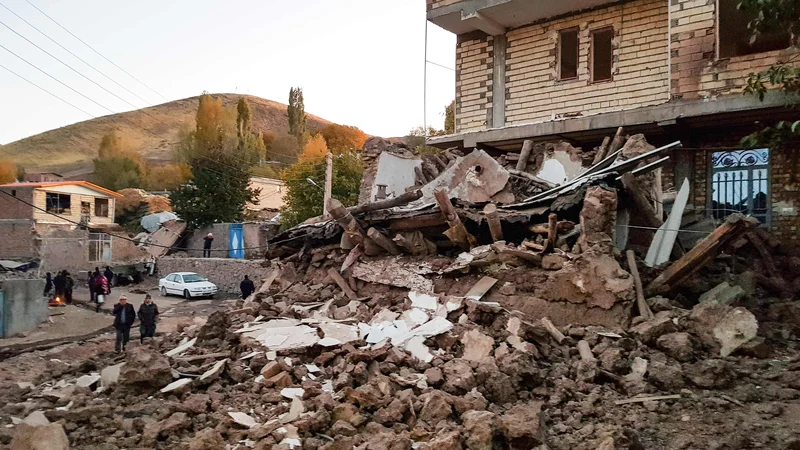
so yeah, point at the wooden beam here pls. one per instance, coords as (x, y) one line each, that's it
(552, 231)
(643, 207)
(402, 199)
(420, 175)
(342, 216)
(415, 243)
(383, 241)
(495, 227)
(704, 251)
(617, 142)
(602, 152)
(417, 222)
(641, 303)
(586, 351)
(543, 184)
(458, 232)
(524, 154)
(334, 274)
(548, 325)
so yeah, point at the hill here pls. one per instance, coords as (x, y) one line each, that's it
(154, 130)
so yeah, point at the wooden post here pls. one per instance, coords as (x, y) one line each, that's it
(383, 241)
(761, 248)
(617, 142)
(586, 351)
(346, 220)
(658, 186)
(557, 335)
(641, 303)
(705, 250)
(328, 184)
(334, 274)
(458, 232)
(552, 231)
(602, 151)
(643, 207)
(420, 175)
(524, 154)
(495, 228)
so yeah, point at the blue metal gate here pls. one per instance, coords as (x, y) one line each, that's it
(236, 241)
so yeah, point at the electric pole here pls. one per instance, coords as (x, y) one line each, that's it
(328, 185)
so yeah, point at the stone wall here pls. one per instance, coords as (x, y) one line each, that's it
(17, 239)
(24, 307)
(225, 273)
(255, 240)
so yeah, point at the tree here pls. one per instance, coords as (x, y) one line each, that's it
(251, 146)
(20, 173)
(117, 165)
(8, 171)
(315, 149)
(304, 199)
(297, 115)
(416, 139)
(218, 190)
(284, 149)
(450, 118)
(169, 177)
(343, 138)
(770, 16)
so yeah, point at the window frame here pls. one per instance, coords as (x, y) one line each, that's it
(592, 33)
(60, 209)
(559, 48)
(718, 38)
(107, 208)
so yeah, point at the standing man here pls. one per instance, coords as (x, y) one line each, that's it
(58, 284)
(101, 288)
(207, 245)
(90, 283)
(109, 274)
(48, 285)
(148, 314)
(247, 287)
(69, 285)
(124, 316)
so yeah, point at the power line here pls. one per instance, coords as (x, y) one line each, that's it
(92, 49)
(70, 67)
(73, 54)
(54, 95)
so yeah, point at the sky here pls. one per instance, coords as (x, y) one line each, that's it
(359, 62)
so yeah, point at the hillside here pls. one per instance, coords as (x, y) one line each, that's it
(69, 150)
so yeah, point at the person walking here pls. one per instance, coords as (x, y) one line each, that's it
(90, 284)
(148, 314)
(48, 284)
(101, 289)
(69, 285)
(109, 274)
(124, 316)
(207, 245)
(247, 287)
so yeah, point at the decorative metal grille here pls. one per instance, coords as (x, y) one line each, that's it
(740, 183)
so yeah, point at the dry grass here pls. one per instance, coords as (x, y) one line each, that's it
(153, 131)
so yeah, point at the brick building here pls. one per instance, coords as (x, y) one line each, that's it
(576, 70)
(38, 220)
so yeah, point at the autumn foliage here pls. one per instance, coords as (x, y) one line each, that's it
(8, 171)
(316, 148)
(343, 138)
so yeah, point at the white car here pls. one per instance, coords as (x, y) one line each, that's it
(187, 284)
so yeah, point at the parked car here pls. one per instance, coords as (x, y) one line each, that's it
(187, 284)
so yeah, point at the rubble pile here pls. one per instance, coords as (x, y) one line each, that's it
(301, 365)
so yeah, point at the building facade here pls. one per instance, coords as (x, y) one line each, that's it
(673, 70)
(62, 224)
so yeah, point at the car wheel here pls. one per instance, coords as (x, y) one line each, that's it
(163, 291)
(186, 294)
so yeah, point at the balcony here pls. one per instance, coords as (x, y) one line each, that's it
(495, 16)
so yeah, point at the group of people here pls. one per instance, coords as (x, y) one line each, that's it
(100, 285)
(125, 315)
(61, 286)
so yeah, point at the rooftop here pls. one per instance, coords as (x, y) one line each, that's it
(47, 184)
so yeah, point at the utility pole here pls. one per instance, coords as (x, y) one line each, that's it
(328, 185)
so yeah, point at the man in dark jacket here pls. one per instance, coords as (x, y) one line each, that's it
(148, 313)
(207, 241)
(58, 283)
(124, 316)
(69, 285)
(247, 287)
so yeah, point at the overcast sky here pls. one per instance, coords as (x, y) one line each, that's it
(360, 62)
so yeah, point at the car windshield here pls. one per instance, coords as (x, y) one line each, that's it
(193, 278)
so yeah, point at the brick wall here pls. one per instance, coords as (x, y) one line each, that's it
(639, 69)
(40, 200)
(17, 239)
(474, 65)
(16, 209)
(696, 71)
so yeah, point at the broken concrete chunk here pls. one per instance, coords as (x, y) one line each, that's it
(480, 288)
(176, 386)
(735, 329)
(553, 262)
(522, 426)
(477, 346)
(37, 419)
(145, 369)
(479, 427)
(214, 372)
(181, 348)
(243, 419)
(723, 293)
(651, 330)
(88, 381)
(41, 437)
(110, 375)
(424, 301)
(676, 345)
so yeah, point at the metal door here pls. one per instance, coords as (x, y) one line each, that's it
(236, 241)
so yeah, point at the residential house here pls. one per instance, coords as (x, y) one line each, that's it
(576, 70)
(65, 224)
(41, 177)
(270, 197)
